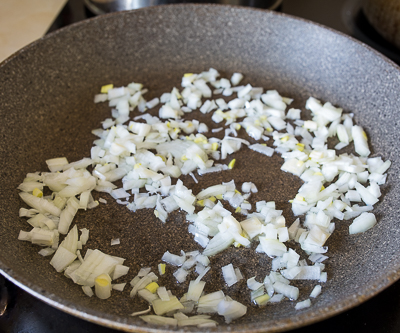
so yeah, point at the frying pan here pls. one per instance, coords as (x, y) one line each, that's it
(47, 110)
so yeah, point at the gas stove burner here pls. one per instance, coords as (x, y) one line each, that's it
(99, 7)
(359, 27)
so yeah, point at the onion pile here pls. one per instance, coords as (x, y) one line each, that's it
(148, 154)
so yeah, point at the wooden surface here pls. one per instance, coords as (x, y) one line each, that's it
(23, 21)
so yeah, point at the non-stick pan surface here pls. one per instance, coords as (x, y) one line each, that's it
(47, 110)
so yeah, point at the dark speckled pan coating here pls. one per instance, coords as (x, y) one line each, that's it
(47, 110)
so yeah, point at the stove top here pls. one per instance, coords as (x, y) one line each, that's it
(21, 312)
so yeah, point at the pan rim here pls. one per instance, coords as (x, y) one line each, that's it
(324, 313)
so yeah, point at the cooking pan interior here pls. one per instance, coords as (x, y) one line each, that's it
(47, 110)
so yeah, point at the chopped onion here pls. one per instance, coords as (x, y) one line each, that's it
(163, 294)
(290, 292)
(173, 259)
(139, 313)
(229, 275)
(148, 152)
(119, 270)
(161, 307)
(159, 320)
(88, 291)
(362, 223)
(303, 305)
(316, 291)
(102, 285)
(231, 310)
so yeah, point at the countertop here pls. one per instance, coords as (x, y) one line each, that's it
(24, 21)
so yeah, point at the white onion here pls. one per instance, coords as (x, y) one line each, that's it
(289, 291)
(316, 291)
(360, 140)
(362, 223)
(231, 310)
(173, 259)
(159, 320)
(127, 152)
(161, 307)
(303, 304)
(229, 275)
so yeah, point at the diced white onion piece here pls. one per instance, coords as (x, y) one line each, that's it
(159, 320)
(203, 259)
(88, 291)
(209, 303)
(119, 270)
(195, 290)
(154, 102)
(238, 273)
(291, 273)
(203, 273)
(161, 307)
(218, 243)
(94, 264)
(253, 284)
(47, 251)
(144, 271)
(317, 257)
(142, 283)
(236, 78)
(40, 204)
(303, 304)
(360, 140)
(70, 242)
(147, 295)
(290, 292)
(100, 98)
(308, 273)
(324, 277)
(252, 226)
(229, 275)
(316, 291)
(293, 114)
(294, 166)
(272, 247)
(173, 259)
(198, 321)
(362, 223)
(119, 193)
(119, 286)
(366, 195)
(84, 236)
(276, 298)
(67, 215)
(262, 149)
(201, 239)
(30, 186)
(62, 258)
(56, 164)
(115, 241)
(23, 212)
(139, 313)
(211, 191)
(283, 234)
(163, 294)
(180, 275)
(231, 310)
